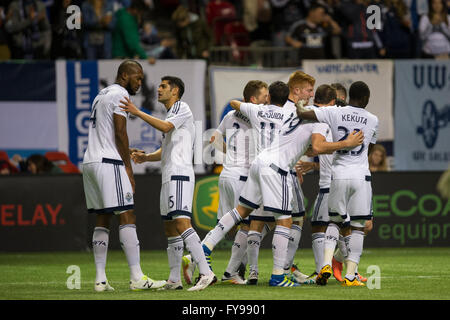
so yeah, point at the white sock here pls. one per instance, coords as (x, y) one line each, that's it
(175, 254)
(238, 251)
(253, 243)
(130, 245)
(265, 231)
(294, 240)
(224, 225)
(193, 244)
(100, 247)
(318, 241)
(355, 248)
(280, 243)
(331, 237)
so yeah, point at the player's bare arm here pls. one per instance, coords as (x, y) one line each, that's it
(321, 146)
(304, 113)
(135, 150)
(141, 156)
(121, 137)
(216, 138)
(161, 125)
(235, 104)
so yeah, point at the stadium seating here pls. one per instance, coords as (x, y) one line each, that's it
(62, 160)
(236, 35)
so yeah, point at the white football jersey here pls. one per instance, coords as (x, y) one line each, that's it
(101, 137)
(178, 144)
(266, 121)
(294, 140)
(352, 163)
(325, 160)
(240, 145)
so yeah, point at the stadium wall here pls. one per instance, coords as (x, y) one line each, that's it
(48, 213)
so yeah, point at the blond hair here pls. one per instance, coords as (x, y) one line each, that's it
(298, 78)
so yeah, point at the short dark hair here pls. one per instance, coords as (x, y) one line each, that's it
(359, 93)
(324, 94)
(339, 88)
(177, 82)
(279, 93)
(252, 89)
(128, 66)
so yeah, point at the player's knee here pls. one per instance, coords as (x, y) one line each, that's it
(182, 223)
(358, 224)
(298, 221)
(127, 217)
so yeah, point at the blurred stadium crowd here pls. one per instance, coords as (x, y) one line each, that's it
(191, 29)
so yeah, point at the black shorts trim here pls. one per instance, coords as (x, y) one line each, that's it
(335, 214)
(171, 214)
(112, 209)
(279, 211)
(113, 161)
(319, 223)
(248, 203)
(368, 178)
(243, 178)
(258, 218)
(181, 178)
(278, 169)
(324, 190)
(369, 217)
(294, 173)
(298, 214)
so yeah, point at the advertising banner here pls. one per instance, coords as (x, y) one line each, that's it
(378, 74)
(28, 109)
(422, 115)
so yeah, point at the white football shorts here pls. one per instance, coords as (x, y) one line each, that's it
(176, 198)
(107, 187)
(229, 192)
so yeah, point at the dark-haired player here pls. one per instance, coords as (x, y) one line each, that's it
(350, 188)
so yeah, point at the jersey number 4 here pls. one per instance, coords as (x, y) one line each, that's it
(93, 117)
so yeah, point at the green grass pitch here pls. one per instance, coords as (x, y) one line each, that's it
(406, 273)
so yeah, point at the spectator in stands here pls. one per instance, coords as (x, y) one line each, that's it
(396, 33)
(257, 19)
(65, 43)
(361, 43)
(38, 164)
(378, 158)
(98, 23)
(5, 53)
(126, 38)
(284, 14)
(434, 29)
(416, 8)
(29, 27)
(194, 38)
(7, 168)
(158, 45)
(309, 35)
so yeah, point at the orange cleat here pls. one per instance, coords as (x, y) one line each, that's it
(337, 269)
(361, 278)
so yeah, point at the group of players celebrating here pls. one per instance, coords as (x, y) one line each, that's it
(260, 184)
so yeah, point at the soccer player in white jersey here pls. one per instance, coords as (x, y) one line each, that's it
(325, 96)
(268, 183)
(301, 87)
(108, 178)
(350, 188)
(178, 180)
(240, 152)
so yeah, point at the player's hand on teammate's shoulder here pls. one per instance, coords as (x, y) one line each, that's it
(128, 106)
(135, 150)
(355, 138)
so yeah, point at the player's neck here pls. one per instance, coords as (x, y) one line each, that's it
(170, 103)
(355, 104)
(293, 98)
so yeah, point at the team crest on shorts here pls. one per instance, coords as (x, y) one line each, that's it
(129, 196)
